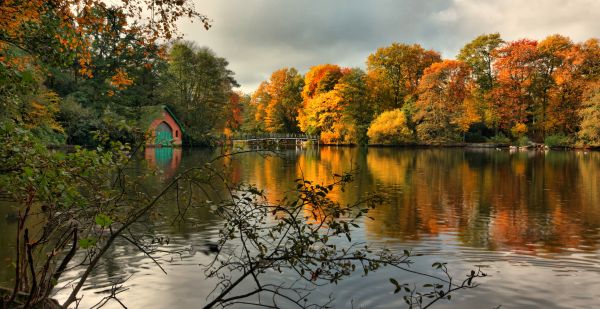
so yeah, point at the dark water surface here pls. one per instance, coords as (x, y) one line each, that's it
(531, 220)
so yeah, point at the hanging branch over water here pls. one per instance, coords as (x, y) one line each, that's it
(85, 208)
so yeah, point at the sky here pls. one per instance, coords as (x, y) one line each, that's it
(258, 37)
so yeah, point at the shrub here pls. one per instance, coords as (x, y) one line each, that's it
(522, 141)
(390, 128)
(557, 140)
(500, 138)
(474, 137)
(519, 129)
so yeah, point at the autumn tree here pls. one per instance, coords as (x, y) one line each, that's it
(256, 112)
(479, 54)
(74, 20)
(390, 128)
(64, 31)
(577, 75)
(321, 115)
(552, 53)
(336, 105)
(125, 74)
(589, 133)
(64, 42)
(285, 93)
(395, 72)
(320, 79)
(512, 96)
(234, 113)
(444, 108)
(320, 106)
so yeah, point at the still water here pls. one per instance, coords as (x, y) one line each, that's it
(531, 220)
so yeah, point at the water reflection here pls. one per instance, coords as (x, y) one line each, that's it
(167, 159)
(8, 234)
(530, 217)
(529, 202)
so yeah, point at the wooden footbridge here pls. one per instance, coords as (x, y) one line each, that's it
(274, 138)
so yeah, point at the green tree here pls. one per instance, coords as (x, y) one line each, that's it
(358, 109)
(124, 73)
(198, 87)
(479, 55)
(395, 72)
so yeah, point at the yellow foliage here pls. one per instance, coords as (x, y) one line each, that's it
(469, 115)
(41, 111)
(320, 112)
(390, 128)
(340, 133)
(519, 129)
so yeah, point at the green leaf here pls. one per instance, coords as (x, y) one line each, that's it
(103, 220)
(28, 171)
(87, 242)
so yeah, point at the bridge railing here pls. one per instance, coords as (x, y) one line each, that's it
(259, 136)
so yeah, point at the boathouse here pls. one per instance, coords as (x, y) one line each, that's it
(164, 129)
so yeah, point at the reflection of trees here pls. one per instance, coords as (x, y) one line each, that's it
(523, 201)
(8, 230)
(493, 199)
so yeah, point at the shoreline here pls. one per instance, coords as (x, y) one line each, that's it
(540, 147)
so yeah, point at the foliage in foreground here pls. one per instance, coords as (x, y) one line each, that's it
(309, 236)
(75, 206)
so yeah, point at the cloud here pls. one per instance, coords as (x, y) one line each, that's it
(258, 37)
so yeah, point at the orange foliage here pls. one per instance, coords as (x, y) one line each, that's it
(234, 113)
(78, 20)
(572, 79)
(321, 106)
(511, 98)
(121, 80)
(320, 78)
(444, 99)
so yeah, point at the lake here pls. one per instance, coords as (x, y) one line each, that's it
(530, 220)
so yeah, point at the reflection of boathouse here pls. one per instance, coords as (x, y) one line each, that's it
(163, 127)
(166, 159)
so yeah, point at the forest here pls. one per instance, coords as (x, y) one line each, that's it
(508, 92)
(505, 92)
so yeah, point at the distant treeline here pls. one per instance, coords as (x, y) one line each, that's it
(508, 92)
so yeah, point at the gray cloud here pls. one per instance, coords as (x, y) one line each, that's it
(258, 37)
